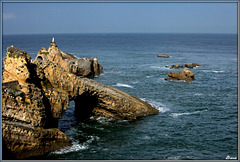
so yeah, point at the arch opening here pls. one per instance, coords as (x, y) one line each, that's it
(39, 58)
(68, 119)
(79, 110)
(84, 105)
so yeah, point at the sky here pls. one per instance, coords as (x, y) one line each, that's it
(51, 18)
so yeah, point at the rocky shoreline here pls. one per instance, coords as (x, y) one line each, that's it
(36, 93)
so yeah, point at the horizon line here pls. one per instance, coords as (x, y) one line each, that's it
(119, 33)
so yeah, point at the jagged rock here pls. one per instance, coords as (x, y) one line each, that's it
(17, 63)
(160, 55)
(185, 74)
(23, 141)
(190, 66)
(87, 67)
(106, 101)
(39, 93)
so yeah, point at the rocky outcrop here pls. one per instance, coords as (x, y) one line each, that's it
(21, 141)
(87, 67)
(36, 94)
(190, 66)
(105, 100)
(161, 55)
(185, 74)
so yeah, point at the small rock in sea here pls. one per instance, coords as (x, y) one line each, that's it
(190, 66)
(160, 55)
(177, 66)
(195, 64)
(185, 74)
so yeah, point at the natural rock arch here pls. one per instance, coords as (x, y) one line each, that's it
(43, 94)
(39, 58)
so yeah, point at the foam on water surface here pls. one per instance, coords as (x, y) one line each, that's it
(159, 106)
(123, 85)
(175, 115)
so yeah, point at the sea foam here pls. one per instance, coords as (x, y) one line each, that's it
(213, 71)
(74, 148)
(159, 106)
(175, 115)
(123, 85)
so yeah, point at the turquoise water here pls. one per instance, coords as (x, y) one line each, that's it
(197, 120)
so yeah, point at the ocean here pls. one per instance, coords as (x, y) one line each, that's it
(198, 120)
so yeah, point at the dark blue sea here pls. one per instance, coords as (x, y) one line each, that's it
(197, 121)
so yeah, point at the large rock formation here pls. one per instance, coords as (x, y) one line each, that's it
(87, 67)
(36, 94)
(185, 74)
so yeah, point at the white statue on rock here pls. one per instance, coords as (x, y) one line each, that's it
(53, 39)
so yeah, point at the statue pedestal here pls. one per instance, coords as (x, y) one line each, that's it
(53, 44)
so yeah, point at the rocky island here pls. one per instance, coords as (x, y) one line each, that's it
(36, 93)
(190, 66)
(185, 75)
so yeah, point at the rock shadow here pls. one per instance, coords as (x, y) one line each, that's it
(84, 105)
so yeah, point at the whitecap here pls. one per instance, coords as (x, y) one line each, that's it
(74, 148)
(197, 94)
(213, 71)
(157, 67)
(175, 115)
(135, 82)
(92, 138)
(216, 71)
(159, 106)
(123, 85)
(104, 120)
(107, 121)
(174, 158)
(149, 76)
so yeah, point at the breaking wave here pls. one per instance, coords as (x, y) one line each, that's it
(175, 115)
(123, 85)
(213, 71)
(159, 106)
(74, 148)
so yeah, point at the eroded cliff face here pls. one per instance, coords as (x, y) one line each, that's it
(29, 113)
(36, 94)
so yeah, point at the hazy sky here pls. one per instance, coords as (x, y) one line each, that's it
(38, 18)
